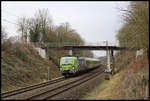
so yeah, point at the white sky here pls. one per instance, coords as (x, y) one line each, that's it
(94, 21)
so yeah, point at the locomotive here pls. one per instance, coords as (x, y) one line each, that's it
(72, 65)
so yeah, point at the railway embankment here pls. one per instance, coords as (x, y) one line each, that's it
(130, 82)
(21, 66)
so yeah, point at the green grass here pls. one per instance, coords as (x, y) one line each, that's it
(106, 90)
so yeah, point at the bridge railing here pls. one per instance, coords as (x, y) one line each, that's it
(55, 44)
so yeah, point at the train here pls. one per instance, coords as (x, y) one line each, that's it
(71, 65)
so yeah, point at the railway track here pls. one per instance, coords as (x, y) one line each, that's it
(52, 91)
(29, 88)
(63, 88)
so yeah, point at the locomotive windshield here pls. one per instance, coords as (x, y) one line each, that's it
(67, 61)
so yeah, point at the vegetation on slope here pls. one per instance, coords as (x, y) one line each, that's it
(130, 83)
(22, 66)
(131, 78)
(135, 31)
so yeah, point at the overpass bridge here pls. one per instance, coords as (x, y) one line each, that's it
(84, 47)
(81, 46)
(109, 50)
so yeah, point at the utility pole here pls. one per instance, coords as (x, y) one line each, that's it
(113, 61)
(108, 58)
(108, 69)
(48, 74)
(48, 66)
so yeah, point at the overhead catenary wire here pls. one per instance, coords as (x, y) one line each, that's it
(11, 14)
(18, 38)
(16, 16)
(10, 22)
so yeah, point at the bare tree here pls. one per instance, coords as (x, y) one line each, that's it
(134, 32)
(44, 20)
(3, 34)
(23, 28)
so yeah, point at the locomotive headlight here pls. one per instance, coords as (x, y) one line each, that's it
(73, 69)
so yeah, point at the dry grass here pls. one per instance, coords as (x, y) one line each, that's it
(111, 90)
(22, 66)
(135, 83)
(130, 83)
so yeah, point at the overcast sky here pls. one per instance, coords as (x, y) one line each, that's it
(94, 21)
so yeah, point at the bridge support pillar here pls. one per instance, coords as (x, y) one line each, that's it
(108, 62)
(70, 52)
(108, 69)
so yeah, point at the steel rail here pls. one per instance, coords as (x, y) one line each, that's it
(72, 86)
(64, 85)
(24, 89)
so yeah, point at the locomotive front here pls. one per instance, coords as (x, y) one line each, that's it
(68, 65)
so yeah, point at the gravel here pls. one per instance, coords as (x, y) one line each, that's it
(77, 93)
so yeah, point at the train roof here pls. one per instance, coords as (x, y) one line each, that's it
(66, 57)
(91, 59)
(86, 58)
